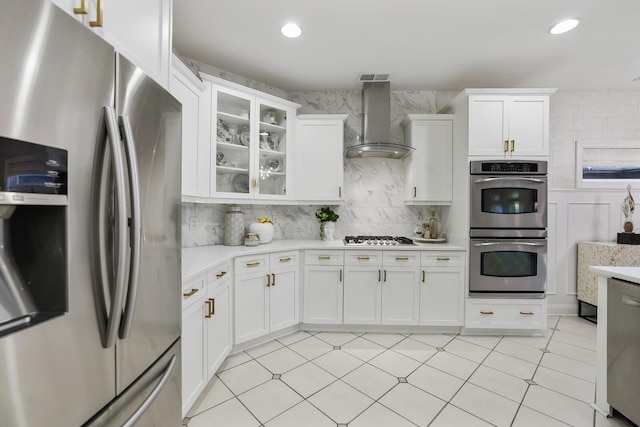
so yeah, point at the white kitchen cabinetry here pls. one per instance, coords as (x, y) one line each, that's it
(442, 288)
(506, 313)
(429, 170)
(194, 369)
(381, 287)
(141, 30)
(509, 125)
(218, 317)
(323, 296)
(266, 294)
(319, 160)
(252, 139)
(195, 97)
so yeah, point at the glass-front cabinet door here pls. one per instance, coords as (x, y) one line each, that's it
(254, 137)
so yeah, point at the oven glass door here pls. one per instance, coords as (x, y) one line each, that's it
(508, 266)
(508, 202)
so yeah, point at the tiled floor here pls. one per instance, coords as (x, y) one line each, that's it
(328, 379)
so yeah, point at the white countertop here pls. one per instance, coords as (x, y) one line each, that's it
(630, 274)
(197, 260)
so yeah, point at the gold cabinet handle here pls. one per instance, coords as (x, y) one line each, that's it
(253, 264)
(222, 273)
(513, 145)
(254, 182)
(363, 258)
(213, 306)
(415, 191)
(402, 258)
(273, 281)
(188, 294)
(379, 272)
(526, 313)
(340, 275)
(486, 312)
(208, 313)
(443, 259)
(285, 259)
(268, 280)
(324, 257)
(423, 276)
(506, 145)
(98, 21)
(82, 10)
(385, 276)
(339, 191)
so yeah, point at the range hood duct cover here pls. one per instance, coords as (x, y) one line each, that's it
(376, 125)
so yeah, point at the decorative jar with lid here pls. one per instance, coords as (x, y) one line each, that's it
(234, 226)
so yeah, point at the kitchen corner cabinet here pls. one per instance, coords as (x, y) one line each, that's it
(141, 29)
(195, 97)
(442, 288)
(266, 294)
(319, 160)
(429, 170)
(323, 295)
(505, 126)
(252, 139)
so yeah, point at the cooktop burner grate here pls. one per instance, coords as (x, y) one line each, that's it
(377, 241)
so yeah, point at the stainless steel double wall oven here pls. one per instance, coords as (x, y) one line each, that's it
(508, 249)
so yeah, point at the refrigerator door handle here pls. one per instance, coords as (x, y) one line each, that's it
(115, 311)
(135, 226)
(152, 396)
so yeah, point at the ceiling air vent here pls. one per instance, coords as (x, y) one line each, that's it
(374, 77)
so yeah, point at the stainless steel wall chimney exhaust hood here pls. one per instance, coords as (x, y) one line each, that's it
(376, 125)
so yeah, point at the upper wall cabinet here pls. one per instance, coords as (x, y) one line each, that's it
(429, 170)
(319, 161)
(252, 143)
(195, 97)
(141, 29)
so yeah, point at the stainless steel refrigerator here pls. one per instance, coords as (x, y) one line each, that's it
(90, 230)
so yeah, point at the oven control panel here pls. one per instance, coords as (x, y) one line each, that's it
(515, 167)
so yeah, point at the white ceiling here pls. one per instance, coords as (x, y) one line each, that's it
(422, 44)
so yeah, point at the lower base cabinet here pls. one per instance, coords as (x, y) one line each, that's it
(218, 327)
(323, 296)
(442, 288)
(506, 313)
(194, 370)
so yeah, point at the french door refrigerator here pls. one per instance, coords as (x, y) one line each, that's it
(92, 246)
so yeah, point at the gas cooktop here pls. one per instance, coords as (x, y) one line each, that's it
(377, 241)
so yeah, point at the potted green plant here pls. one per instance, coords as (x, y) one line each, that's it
(327, 219)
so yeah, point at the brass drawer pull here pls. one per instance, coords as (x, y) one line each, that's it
(98, 21)
(339, 191)
(385, 276)
(402, 258)
(486, 312)
(423, 276)
(506, 145)
(253, 264)
(513, 145)
(443, 259)
(213, 306)
(208, 304)
(268, 280)
(82, 10)
(188, 294)
(363, 258)
(526, 313)
(287, 259)
(273, 281)
(222, 273)
(340, 275)
(415, 191)
(379, 273)
(324, 257)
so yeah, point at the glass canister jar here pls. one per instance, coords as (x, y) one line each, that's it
(434, 226)
(234, 226)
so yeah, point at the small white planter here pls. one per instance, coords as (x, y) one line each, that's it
(327, 230)
(264, 230)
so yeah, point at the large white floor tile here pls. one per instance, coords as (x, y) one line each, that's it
(302, 414)
(485, 404)
(262, 349)
(510, 365)
(281, 361)
(370, 380)
(435, 381)
(434, 340)
(529, 418)
(535, 341)
(451, 416)
(565, 384)
(521, 351)
(229, 413)
(578, 326)
(269, 400)
(385, 340)
(215, 393)
(500, 383)
(311, 347)
(573, 352)
(379, 416)
(573, 339)
(415, 350)
(452, 364)
(294, 337)
(363, 349)
(308, 379)
(338, 362)
(234, 360)
(395, 364)
(244, 377)
(340, 402)
(487, 341)
(414, 404)
(465, 349)
(336, 338)
(572, 367)
(558, 406)
(552, 321)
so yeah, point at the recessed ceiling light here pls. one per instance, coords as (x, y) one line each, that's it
(291, 30)
(564, 26)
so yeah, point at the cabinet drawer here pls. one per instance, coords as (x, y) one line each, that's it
(219, 274)
(508, 314)
(401, 259)
(193, 290)
(363, 258)
(324, 257)
(434, 259)
(284, 259)
(252, 264)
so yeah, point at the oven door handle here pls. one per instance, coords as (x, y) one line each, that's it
(509, 243)
(510, 178)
